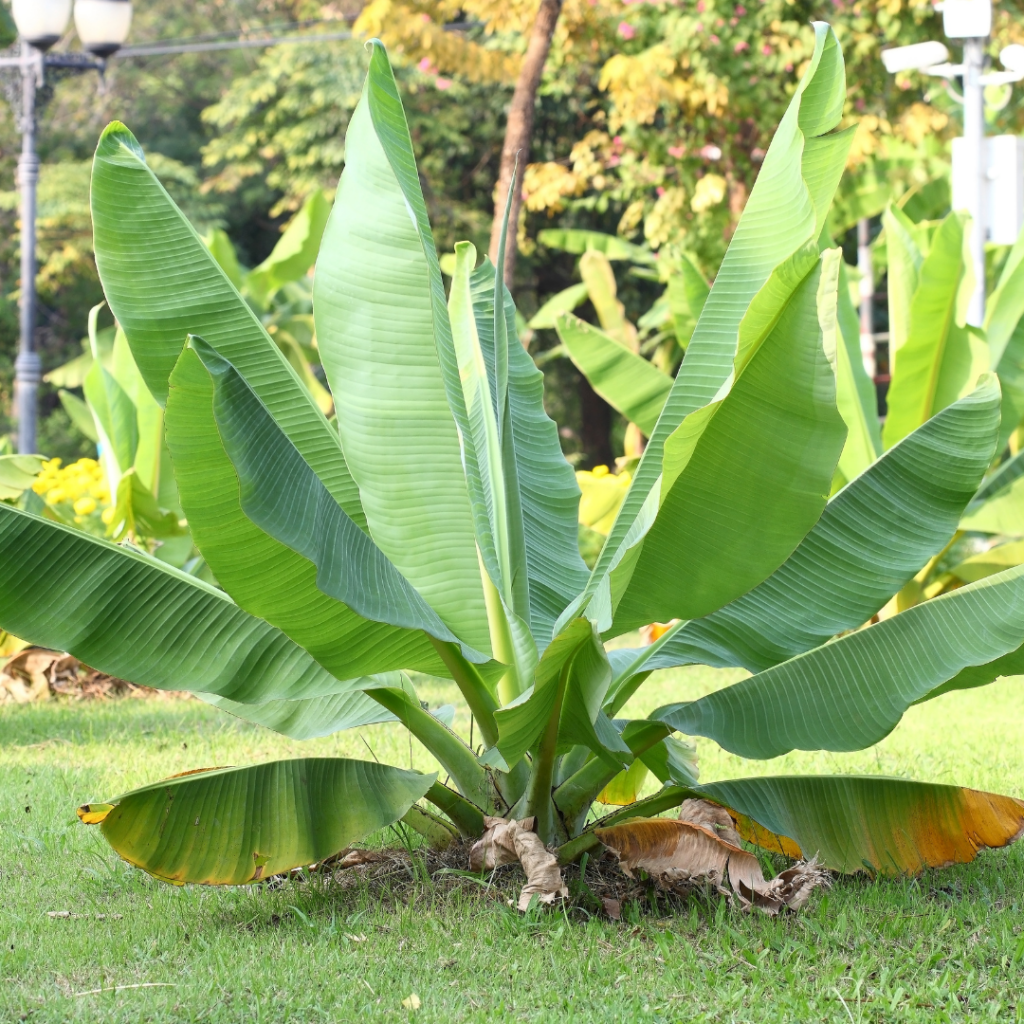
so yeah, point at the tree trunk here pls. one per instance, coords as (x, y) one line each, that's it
(519, 129)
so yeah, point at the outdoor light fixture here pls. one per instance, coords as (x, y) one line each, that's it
(41, 22)
(103, 25)
(912, 58)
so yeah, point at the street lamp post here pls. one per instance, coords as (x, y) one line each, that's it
(976, 161)
(102, 27)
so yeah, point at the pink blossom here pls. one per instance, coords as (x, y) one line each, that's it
(741, 46)
(426, 65)
(660, 190)
(626, 30)
(714, 39)
(443, 83)
(700, 6)
(711, 152)
(766, 50)
(699, 27)
(789, 67)
(617, 142)
(425, 18)
(741, 10)
(676, 151)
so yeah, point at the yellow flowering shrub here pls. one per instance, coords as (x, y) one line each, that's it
(77, 493)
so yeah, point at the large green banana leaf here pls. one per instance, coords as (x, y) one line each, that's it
(265, 576)
(1004, 328)
(748, 475)
(548, 493)
(502, 543)
(132, 616)
(785, 213)
(385, 341)
(281, 495)
(885, 826)
(904, 259)
(308, 719)
(941, 358)
(229, 826)
(629, 383)
(998, 505)
(855, 391)
(873, 536)
(579, 241)
(571, 681)
(851, 693)
(163, 283)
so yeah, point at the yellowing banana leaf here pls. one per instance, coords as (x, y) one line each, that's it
(884, 826)
(231, 826)
(599, 278)
(942, 358)
(629, 383)
(383, 330)
(625, 788)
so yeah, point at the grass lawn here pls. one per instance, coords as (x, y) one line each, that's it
(948, 946)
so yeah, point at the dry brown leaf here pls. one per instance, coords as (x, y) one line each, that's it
(613, 908)
(506, 842)
(703, 845)
(495, 848)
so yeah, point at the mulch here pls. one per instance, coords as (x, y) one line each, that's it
(36, 674)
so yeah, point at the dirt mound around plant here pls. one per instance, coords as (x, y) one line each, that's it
(35, 674)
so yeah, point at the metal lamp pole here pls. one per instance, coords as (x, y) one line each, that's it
(28, 366)
(102, 27)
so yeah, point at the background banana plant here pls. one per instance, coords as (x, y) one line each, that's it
(433, 529)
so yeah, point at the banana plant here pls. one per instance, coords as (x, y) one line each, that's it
(433, 530)
(279, 290)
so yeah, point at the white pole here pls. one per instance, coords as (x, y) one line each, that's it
(867, 292)
(28, 366)
(976, 171)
